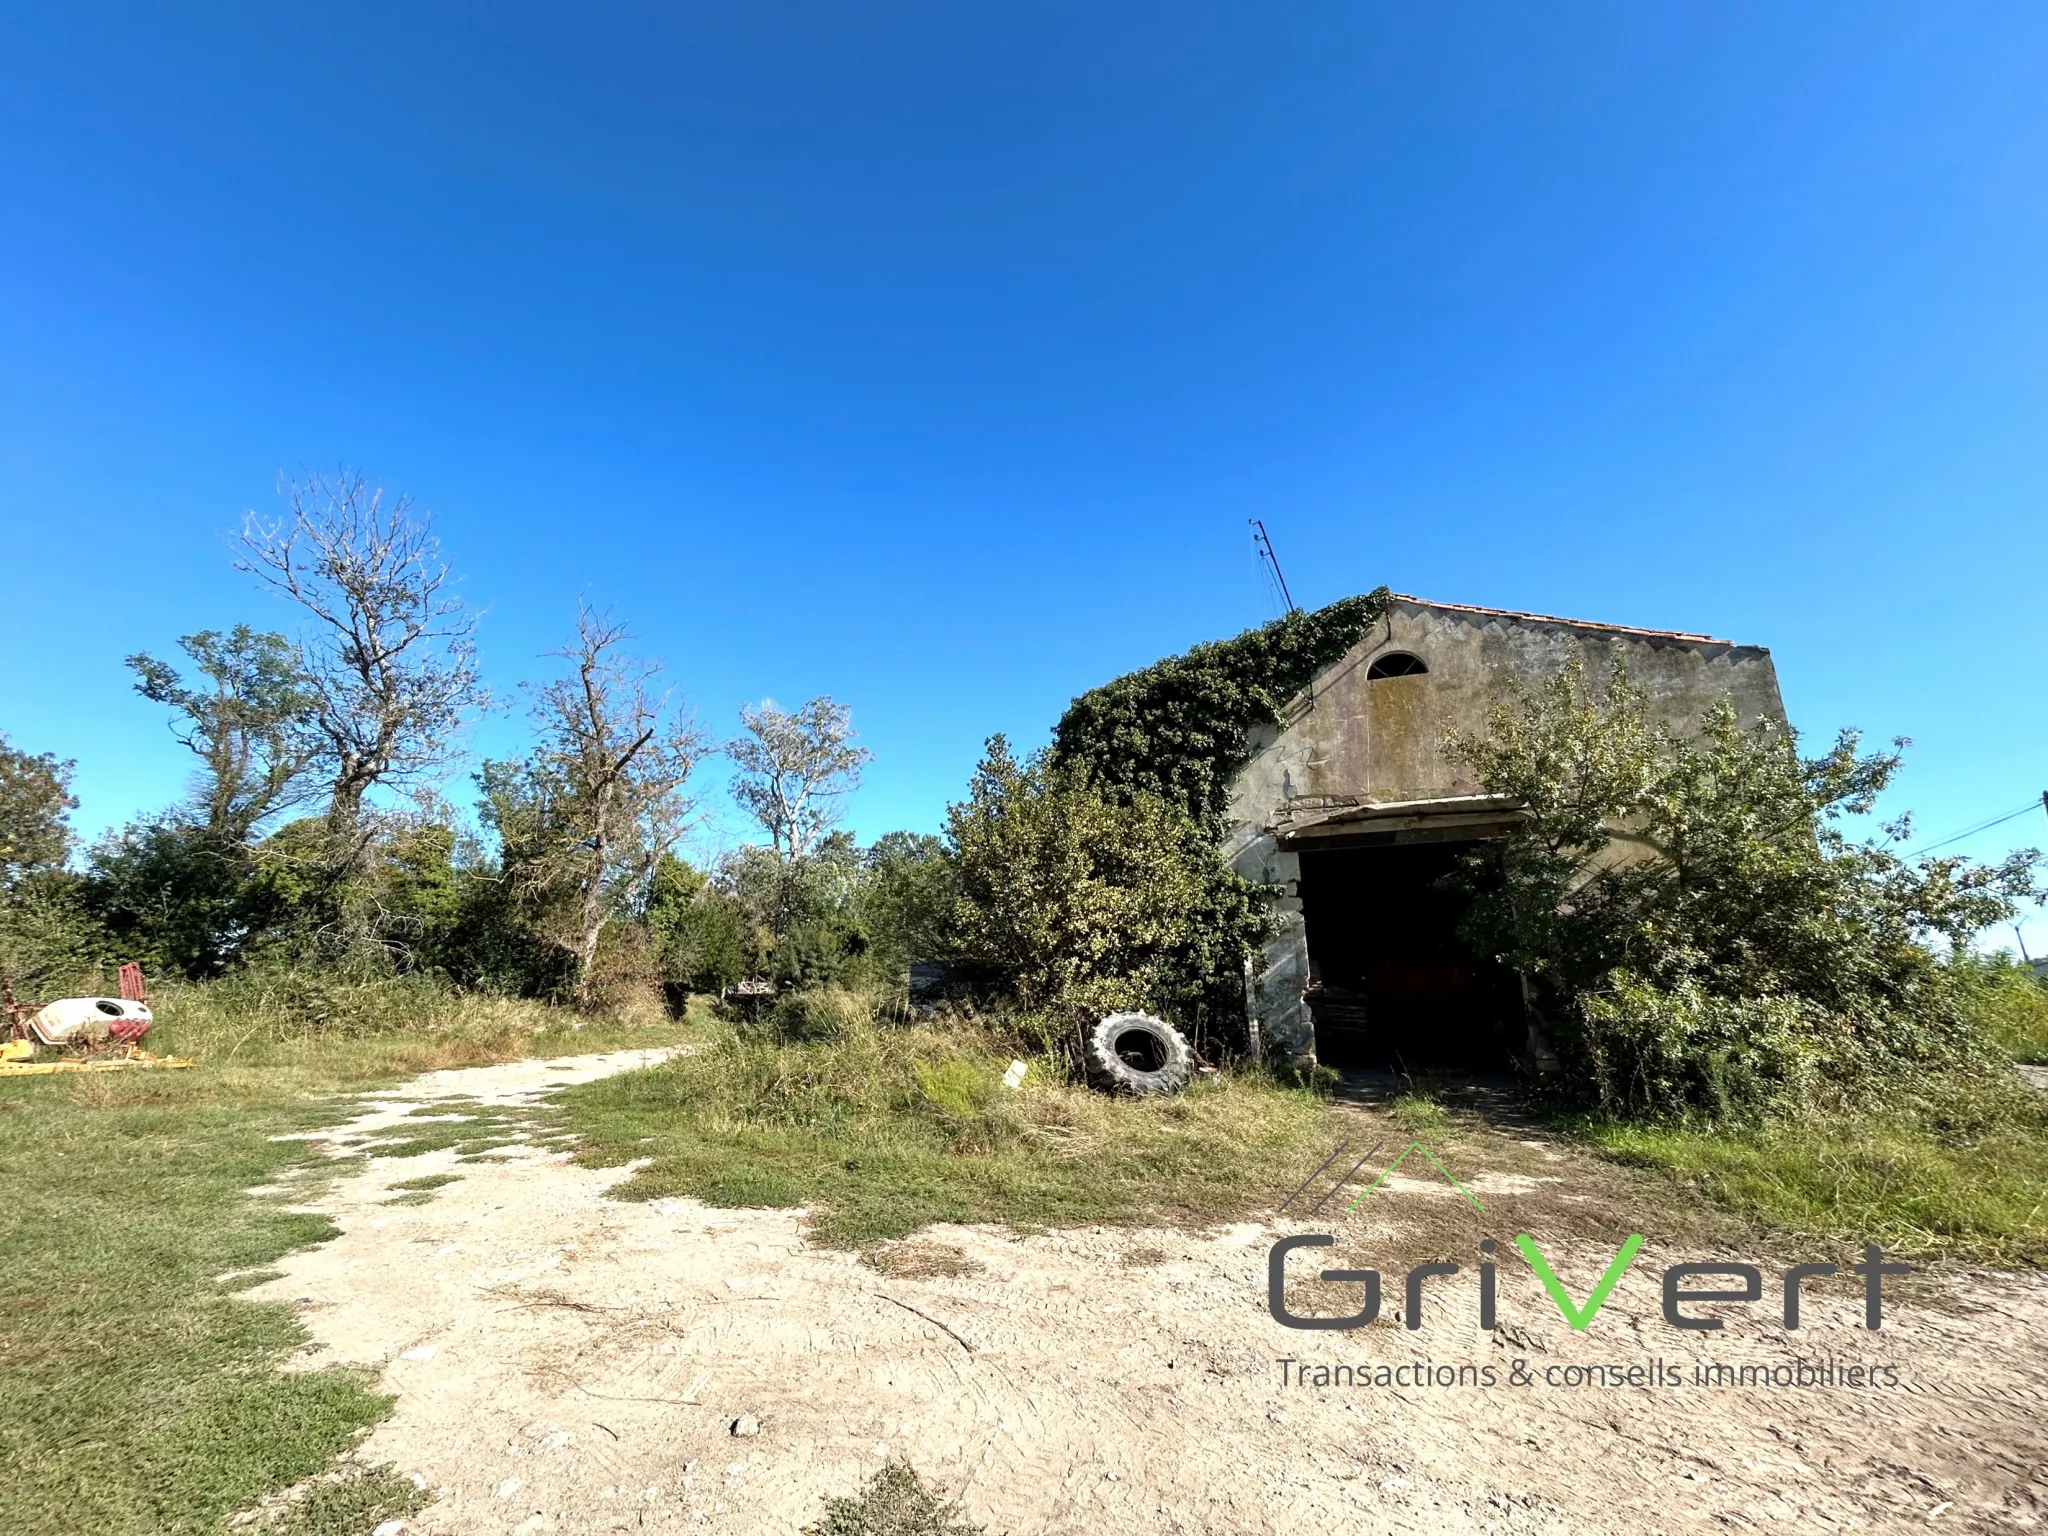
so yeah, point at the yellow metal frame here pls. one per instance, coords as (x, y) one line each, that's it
(17, 1059)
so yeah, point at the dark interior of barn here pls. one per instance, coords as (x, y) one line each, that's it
(1393, 986)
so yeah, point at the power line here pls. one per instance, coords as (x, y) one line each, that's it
(1263, 543)
(1984, 826)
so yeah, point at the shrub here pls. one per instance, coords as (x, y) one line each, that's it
(2007, 1006)
(824, 1014)
(901, 902)
(1702, 937)
(894, 1503)
(50, 944)
(1651, 1049)
(178, 899)
(1078, 904)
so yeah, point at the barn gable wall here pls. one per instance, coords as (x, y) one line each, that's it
(1348, 740)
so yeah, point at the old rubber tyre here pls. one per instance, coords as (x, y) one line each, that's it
(1137, 1053)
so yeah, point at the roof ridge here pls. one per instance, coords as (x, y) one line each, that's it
(1552, 618)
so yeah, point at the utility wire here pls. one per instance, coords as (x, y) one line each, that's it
(1263, 543)
(1982, 826)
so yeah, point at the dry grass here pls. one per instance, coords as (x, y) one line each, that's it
(921, 1261)
(249, 1017)
(883, 1129)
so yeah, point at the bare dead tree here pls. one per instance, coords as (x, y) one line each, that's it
(795, 769)
(390, 662)
(613, 764)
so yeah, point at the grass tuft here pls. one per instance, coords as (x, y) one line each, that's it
(351, 1502)
(920, 1261)
(894, 1503)
(1419, 1114)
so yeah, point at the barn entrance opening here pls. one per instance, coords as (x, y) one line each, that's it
(1392, 985)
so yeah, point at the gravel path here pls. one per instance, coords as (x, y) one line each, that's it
(567, 1363)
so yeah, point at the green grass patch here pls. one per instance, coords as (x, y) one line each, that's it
(355, 1500)
(1974, 1191)
(249, 1279)
(1419, 1114)
(431, 1181)
(886, 1129)
(138, 1392)
(438, 1130)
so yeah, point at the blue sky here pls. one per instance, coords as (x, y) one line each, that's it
(934, 356)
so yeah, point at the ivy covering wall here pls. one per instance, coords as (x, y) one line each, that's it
(1092, 878)
(1178, 728)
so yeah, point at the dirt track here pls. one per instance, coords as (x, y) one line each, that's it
(565, 1363)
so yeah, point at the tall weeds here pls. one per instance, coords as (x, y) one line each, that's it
(884, 1128)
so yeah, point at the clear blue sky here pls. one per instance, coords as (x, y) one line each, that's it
(934, 356)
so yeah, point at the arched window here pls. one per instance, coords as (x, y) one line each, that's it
(1395, 664)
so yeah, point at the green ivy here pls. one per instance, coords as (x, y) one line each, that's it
(1178, 728)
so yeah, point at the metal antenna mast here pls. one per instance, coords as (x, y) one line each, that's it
(1263, 543)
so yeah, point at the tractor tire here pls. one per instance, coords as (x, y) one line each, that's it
(1136, 1053)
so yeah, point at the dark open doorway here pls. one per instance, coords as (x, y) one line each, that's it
(1393, 984)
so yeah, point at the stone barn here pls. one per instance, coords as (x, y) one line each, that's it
(1350, 808)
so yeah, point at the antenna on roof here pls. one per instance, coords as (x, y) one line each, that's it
(1262, 541)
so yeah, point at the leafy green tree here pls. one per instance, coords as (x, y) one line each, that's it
(176, 898)
(248, 722)
(1074, 902)
(802, 925)
(192, 889)
(903, 899)
(48, 942)
(35, 808)
(701, 933)
(484, 931)
(526, 914)
(1700, 931)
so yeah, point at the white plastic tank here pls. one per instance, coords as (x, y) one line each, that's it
(81, 1020)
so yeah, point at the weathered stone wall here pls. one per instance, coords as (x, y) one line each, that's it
(1351, 740)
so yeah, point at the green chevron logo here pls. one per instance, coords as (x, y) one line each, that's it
(1343, 1147)
(1412, 1147)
